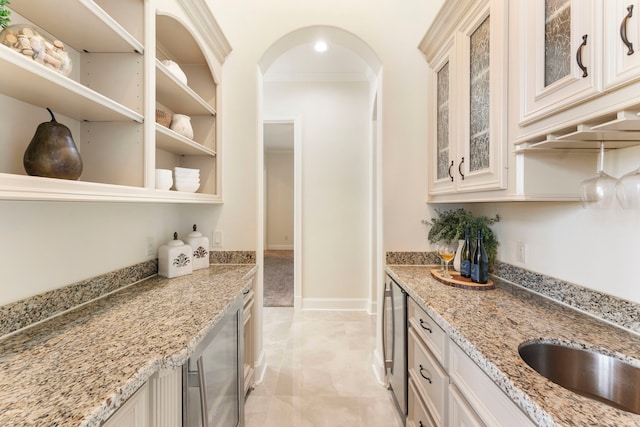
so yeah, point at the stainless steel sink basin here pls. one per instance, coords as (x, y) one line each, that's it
(594, 375)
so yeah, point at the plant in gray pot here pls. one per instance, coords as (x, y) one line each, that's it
(450, 226)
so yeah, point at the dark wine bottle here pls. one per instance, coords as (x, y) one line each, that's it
(480, 262)
(465, 254)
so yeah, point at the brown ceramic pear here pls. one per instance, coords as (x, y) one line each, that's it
(52, 152)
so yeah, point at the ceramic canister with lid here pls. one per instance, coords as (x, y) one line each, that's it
(174, 258)
(200, 246)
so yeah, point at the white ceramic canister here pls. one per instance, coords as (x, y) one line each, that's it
(200, 246)
(174, 258)
(182, 124)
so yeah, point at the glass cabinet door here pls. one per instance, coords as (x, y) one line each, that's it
(442, 178)
(481, 157)
(560, 55)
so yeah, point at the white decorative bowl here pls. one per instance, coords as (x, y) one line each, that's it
(164, 180)
(186, 172)
(187, 187)
(175, 70)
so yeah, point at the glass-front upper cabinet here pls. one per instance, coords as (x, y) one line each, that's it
(560, 55)
(467, 49)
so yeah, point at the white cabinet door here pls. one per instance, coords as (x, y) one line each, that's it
(560, 55)
(134, 413)
(621, 42)
(460, 413)
(475, 386)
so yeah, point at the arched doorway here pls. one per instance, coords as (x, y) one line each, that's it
(332, 100)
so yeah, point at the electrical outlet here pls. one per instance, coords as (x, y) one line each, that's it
(217, 239)
(521, 252)
(151, 246)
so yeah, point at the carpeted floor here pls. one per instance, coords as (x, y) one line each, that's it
(278, 278)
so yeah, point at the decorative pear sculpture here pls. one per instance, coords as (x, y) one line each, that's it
(52, 152)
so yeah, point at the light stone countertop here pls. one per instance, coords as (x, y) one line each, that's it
(78, 368)
(489, 326)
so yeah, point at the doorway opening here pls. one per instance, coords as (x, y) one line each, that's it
(279, 218)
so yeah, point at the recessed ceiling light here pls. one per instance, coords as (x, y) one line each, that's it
(320, 46)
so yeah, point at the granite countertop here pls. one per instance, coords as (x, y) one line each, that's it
(78, 368)
(490, 325)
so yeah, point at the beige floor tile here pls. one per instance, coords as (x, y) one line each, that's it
(319, 373)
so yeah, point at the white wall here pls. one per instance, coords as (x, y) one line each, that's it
(279, 199)
(393, 32)
(336, 159)
(48, 245)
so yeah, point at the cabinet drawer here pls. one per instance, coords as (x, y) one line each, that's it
(429, 378)
(418, 414)
(433, 336)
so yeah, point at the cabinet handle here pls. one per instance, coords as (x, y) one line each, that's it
(423, 375)
(422, 323)
(420, 424)
(450, 166)
(623, 30)
(460, 168)
(579, 56)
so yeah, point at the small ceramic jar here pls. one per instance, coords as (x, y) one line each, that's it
(200, 246)
(174, 258)
(182, 124)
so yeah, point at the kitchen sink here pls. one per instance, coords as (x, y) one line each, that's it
(589, 373)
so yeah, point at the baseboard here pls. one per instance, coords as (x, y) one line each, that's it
(280, 247)
(335, 304)
(378, 368)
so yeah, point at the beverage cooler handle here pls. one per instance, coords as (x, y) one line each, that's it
(386, 295)
(203, 392)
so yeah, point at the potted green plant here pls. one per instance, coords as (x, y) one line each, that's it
(5, 14)
(450, 226)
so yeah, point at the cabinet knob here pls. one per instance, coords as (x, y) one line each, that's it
(623, 30)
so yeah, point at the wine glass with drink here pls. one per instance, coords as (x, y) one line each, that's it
(447, 253)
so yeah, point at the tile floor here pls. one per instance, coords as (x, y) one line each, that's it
(319, 373)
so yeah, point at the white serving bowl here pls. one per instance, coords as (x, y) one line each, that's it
(186, 172)
(187, 180)
(164, 181)
(187, 187)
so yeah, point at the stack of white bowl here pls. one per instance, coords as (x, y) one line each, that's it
(186, 179)
(164, 180)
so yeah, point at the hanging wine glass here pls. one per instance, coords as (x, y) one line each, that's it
(598, 192)
(628, 190)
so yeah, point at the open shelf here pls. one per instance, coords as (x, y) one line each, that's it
(33, 83)
(173, 142)
(177, 96)
(81, 24)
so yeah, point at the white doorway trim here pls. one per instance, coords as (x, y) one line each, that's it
(297, 200)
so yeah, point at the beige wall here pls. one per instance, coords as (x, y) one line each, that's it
(279, 200)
